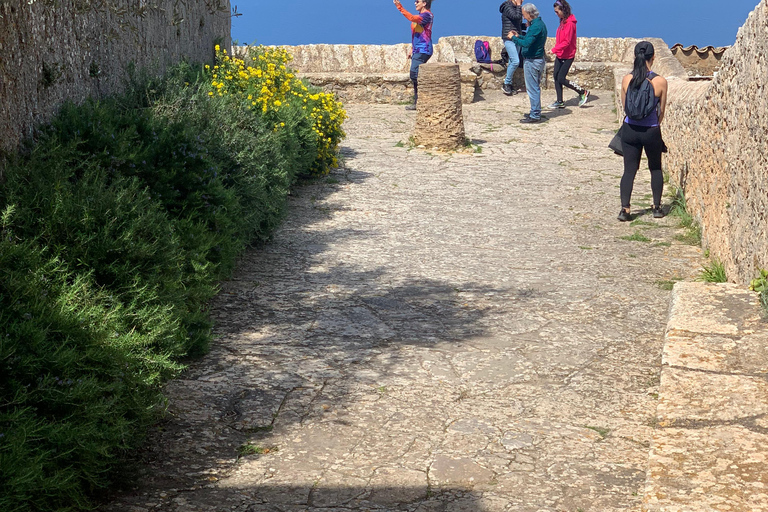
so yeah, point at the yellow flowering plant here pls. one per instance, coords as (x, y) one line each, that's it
(262, 80)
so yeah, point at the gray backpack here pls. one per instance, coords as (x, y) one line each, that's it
(641, 102)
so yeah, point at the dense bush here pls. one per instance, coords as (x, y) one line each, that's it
(117, 221)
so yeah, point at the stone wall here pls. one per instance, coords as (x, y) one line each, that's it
(72, 49)
(379, 73)
(717, 133)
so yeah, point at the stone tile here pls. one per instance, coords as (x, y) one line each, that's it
(711, 469)
(458, 473)
(689, 396)
(735, 354)
(722, 309)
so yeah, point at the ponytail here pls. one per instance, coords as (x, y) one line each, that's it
(643, 53)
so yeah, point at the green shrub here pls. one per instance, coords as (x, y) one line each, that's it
(760, 285)
(119, 218)
(76, 381)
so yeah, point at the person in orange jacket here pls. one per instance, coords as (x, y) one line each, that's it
(565, 51)
(421, 40)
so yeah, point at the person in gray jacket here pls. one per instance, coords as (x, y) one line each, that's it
(511, 19)
(533, 65)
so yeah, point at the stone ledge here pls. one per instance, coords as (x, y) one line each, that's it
(710, 449)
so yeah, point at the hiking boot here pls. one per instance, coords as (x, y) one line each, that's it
(624, 215)
(412, 106)
(583, 97)
(658, 212)
(557, 104)
(507, 89)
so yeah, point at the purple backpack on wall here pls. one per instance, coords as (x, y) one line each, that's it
(482, 52)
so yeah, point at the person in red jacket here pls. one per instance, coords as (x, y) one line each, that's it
(565, 51)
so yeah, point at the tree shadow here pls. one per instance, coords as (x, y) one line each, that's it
(300, 340)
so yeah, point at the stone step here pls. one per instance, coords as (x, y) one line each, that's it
(710, 448)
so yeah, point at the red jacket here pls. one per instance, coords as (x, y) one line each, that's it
(565, 39)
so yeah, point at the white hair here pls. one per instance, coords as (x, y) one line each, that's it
(531, 9)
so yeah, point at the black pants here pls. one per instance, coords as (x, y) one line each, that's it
(562, 66)
(417, 59)
(633, 140)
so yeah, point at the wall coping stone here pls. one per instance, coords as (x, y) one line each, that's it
(710, 447)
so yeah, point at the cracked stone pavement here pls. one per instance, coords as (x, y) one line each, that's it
(434, 332)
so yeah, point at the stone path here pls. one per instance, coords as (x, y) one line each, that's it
(435, 332)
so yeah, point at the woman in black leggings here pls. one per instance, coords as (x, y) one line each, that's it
(565, 51)
(644, 133)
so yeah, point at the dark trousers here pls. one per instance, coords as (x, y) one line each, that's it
(562, 66)
(417, 59)
(633, 140)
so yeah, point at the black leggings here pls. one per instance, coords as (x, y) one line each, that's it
(562, 66)
(633, 140)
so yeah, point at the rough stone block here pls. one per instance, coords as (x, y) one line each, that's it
(439, 119)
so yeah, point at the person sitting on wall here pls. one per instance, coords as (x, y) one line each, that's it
(511, 19)
(533, 59)
(421, 41)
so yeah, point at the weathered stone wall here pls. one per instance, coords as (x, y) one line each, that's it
(379, 73)
(51, 52)
(717, 133)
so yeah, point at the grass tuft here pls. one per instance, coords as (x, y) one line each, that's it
(636, 237)
(713, 273)
(679, 209)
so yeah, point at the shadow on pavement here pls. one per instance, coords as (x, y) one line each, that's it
(300, 341)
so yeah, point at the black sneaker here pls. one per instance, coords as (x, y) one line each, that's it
(528, 119)
(658, 212)
(624, 215)
(412, 106)
(507, 89)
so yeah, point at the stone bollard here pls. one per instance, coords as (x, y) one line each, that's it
(439, 118)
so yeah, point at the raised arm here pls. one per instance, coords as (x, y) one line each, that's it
(414, 18)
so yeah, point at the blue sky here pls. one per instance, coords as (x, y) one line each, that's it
(292, 22)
